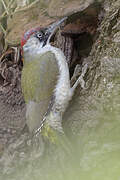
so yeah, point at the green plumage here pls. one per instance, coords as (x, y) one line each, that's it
(39, 78)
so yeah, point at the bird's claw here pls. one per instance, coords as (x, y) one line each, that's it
(80, 80)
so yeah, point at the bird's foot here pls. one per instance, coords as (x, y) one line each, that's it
(80, 79)
(77, 72)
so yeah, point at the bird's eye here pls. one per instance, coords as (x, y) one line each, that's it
(39, 35)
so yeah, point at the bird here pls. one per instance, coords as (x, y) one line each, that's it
(45, 79)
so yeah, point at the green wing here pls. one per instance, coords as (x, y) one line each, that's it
(39, 78)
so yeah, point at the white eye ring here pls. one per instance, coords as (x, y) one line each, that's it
(39, 35)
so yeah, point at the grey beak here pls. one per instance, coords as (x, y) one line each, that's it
(55, 25)
(52, 28)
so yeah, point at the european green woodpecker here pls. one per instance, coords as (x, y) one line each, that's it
(45, 79)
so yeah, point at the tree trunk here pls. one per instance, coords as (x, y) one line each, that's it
(101, 97)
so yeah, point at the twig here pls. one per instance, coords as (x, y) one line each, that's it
(4, 13)
(6, 9)
(5, 53)
(4, 31)
(9, 4)
(29, 6)
(18, 10)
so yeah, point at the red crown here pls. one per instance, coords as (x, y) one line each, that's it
(27, 35)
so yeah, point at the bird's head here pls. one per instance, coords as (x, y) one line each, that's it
(39, 37)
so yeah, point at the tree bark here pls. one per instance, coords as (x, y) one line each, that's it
(101, 97)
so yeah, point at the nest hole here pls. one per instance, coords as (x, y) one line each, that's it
(79, 35)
